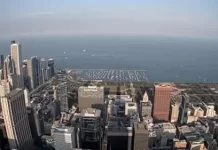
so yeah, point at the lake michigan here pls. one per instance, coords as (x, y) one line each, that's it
(165, 59)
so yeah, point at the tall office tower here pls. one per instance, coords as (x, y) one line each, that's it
(90, 127)
(91, 97)
(25, 75)
(43, 75)
(16, 120)
(43, 63)
(1, 67)
(141, 136)
(51, 65)
(7, 67)
(48, 73)
(12, 78)
(162, 102)
(183, 113)
(62, 92)
(38, 70)
(64, 138)
(1, 74)
(16, 57)
(43, 66)
(1, 61)
(33, 129)
(32, 71)
(119, 132)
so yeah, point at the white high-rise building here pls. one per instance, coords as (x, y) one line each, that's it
(16, 120)
(27, 97)
(16, 57)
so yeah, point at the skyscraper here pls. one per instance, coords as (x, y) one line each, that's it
(48, 73)
(16, 58)
(1, 61)
(7, 67)
(2, 66)
(32, 73)
(183, 112)
(62, 97)
(162, 102)
(1, 74)
(16, 120)
(43, 64)
(51, 65)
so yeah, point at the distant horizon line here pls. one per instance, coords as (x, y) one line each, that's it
(17, 37)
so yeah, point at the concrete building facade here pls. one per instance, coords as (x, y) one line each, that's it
(145, 108)
(174, 115)
(162, 102)
(91, 97)
(16, 120)
(64, 138)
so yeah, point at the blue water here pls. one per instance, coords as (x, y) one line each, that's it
(165, 59)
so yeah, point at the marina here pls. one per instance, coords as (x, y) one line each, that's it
(111, 75)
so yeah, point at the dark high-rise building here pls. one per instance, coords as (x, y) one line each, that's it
(31, 118)
(90, 128)
(91, 97)
(183, 113)
(38, 73)
(51, 65)
(1, 61)
(162, 99)
(141, 136)
(32, 72)
(119, 134)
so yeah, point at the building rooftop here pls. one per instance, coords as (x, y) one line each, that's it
(90, 112)
(63, 129)
(140, 128)
(164, 126)
(119, 125)
(166, 85)
(14, 92)
(148, 103)
(91, 88)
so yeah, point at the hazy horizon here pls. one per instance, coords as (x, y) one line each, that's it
(187, 18)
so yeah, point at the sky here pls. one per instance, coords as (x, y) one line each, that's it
(29, 18)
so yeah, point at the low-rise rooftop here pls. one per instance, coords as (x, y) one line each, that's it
(90, 112)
